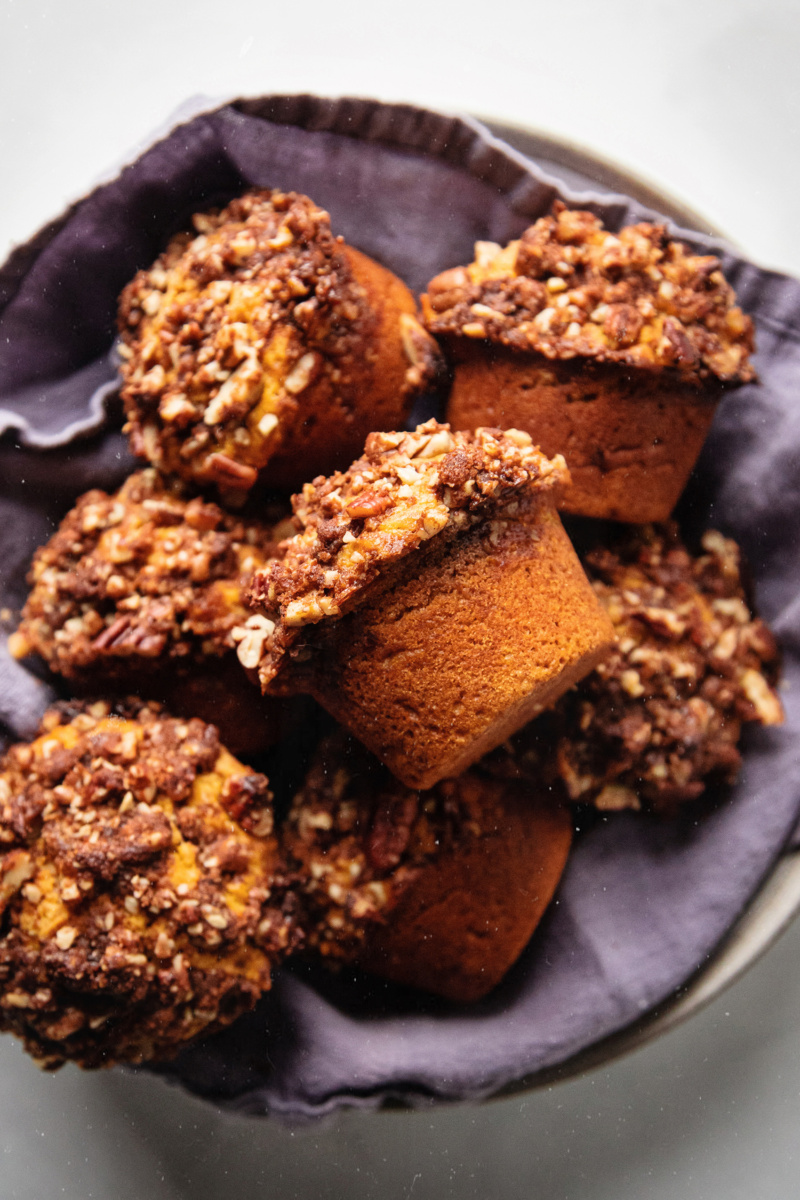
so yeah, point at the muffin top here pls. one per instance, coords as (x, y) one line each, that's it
(134, 577)
(662, 714)
(568, 288)
(224, 334)
(358, 526)
(136, 867)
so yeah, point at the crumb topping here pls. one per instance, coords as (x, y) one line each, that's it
(357, 524)
(662, 715)
(134, 578)
(357, 838)
(136, 868)
(224, 334)
(568, 288)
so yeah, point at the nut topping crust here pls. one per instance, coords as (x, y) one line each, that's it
(136, 868)
(224, 336)
(139, 576)
(570, 289)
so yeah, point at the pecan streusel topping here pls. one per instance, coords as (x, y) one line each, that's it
(132, 578)
(357, 524)
(222, 336)
(569, 288)
(662, 715)
(357, 839)
(140, 904)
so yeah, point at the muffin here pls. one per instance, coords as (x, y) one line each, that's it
(440, 890)
(262, 345)
(661, 718)
(431, 602)
(143, 591)
(612, 349)
(140, 886)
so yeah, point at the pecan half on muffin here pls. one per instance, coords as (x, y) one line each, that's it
(143, 591)
(441, 890)
(140, 894)
(262, 344)
(432, 601)
(661, 717)
(612, 349)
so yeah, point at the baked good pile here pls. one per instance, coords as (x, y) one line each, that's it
(430, 664)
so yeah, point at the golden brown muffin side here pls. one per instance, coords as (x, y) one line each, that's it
(569, 288)
(439, 889)
(631, 438)
(137, 868)
(486, 631)
(661, 717)
(463, 924)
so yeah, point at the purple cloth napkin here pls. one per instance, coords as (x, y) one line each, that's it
(643, 902)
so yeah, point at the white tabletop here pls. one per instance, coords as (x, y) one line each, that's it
(703, 99)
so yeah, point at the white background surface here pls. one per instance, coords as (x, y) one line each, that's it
(701, 97)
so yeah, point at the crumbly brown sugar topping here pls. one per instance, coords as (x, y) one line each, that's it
(406, 489)
(662, 715)
(136, 867)
(568, 288)
(222, 336)
(357, 838)
(132, 578)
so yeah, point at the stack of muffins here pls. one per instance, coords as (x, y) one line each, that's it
(479, 676)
